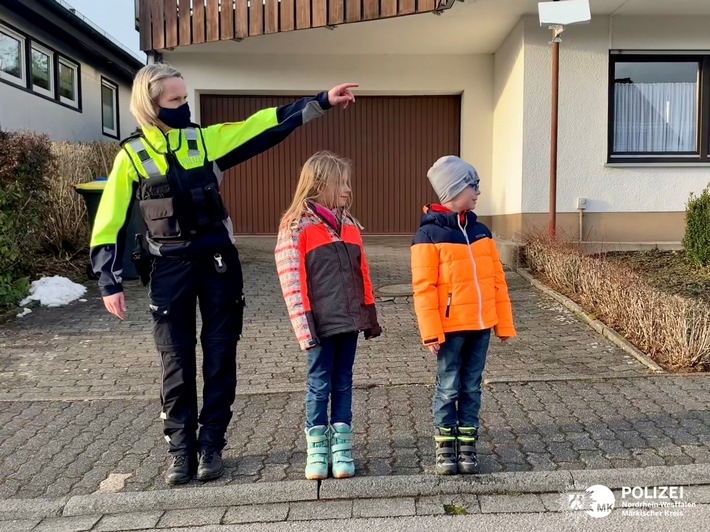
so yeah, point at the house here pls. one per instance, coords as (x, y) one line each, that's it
(62, 75)
(470, 78)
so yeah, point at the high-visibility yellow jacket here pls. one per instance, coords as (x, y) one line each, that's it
(220, 147)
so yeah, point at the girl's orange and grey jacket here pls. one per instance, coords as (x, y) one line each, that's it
(458, 280)
(324, 277)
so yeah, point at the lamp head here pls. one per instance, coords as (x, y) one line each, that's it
(564, 12)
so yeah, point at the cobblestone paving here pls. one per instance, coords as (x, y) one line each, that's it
(78, 393)
(81, 352)
(56, 448)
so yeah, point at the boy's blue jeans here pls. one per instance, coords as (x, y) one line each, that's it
(330, 375)
(459, 368)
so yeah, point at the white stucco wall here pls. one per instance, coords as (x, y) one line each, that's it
(23, 110)
(508, 114)
(583, 112)
(660, 33)
(469, 75)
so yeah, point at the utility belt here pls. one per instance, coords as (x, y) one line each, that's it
(144, 260)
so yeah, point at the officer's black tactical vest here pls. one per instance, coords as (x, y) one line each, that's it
(182, 204)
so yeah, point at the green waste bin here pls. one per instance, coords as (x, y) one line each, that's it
(91, 192)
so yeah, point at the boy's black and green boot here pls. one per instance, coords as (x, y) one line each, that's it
(445, 443)
(467, 459)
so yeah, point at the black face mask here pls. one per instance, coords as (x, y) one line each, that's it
(176, 118)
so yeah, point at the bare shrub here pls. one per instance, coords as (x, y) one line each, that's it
(66, 228)
(673, 330)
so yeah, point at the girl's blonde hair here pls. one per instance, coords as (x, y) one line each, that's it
(320, 180)
(147, 88)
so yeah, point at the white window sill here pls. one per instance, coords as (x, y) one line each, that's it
(20, 82)
(69, 103)
(44, 92)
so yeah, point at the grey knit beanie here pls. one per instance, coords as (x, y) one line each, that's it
(450, 175)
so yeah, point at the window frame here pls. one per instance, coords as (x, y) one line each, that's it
(113, 133)
(49, 93)
(702, 152)
(22, 80)
(63, 61)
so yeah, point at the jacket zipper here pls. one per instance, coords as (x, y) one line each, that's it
(448, 305)
(340, 240)
(352, 276)
(475, 270)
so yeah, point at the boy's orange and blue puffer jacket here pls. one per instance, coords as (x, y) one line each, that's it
(458, 280)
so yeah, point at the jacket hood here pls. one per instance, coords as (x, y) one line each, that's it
(434, 213)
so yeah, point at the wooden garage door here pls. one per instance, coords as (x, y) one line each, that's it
(392, 142)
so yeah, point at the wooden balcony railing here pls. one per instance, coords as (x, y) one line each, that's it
(165, 24)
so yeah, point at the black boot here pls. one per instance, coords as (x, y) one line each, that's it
(467, 457)
(211, 465)
(445, 445)
(181, 470)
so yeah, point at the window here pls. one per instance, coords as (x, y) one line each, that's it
(109, 107)
(39, 69)
(658, 108)
(68, 82)
(12, 56)
(42, 70)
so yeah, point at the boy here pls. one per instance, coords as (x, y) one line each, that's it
(460, 294)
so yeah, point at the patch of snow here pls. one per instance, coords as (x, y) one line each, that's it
(25, 312)
(54, 291)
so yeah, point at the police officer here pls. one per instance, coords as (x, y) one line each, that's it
(173, 168)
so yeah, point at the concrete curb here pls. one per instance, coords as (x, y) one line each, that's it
(590, 378)
(606, 331)
(178, 499)
(428, 485)
(535, 482)
(685, 475)
(31, 508)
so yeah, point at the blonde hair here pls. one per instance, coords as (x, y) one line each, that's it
(147, 88)
(321, 176)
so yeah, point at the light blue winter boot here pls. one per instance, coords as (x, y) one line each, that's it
(341, 444)
(317, 460)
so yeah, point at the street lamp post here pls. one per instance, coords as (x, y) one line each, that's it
(557, 14)
(552, 221)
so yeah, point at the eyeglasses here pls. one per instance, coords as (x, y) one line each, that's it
(477, 186)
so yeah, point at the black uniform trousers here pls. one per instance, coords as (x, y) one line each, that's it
(176, 286)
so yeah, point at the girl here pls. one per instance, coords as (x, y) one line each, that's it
(326, 284)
